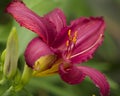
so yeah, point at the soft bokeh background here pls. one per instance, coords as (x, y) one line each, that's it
(106, 59)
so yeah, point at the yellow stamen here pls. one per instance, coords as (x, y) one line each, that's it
(74, 40)
(70, 43)
(67, 43)
(89, 47)
(75, 37)
(93, 95)
(69, 33)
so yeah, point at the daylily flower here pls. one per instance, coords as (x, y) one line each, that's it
(60, 48)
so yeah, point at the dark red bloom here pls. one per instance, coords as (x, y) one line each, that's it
(58, 47)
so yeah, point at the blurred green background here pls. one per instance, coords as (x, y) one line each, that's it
(106, 59)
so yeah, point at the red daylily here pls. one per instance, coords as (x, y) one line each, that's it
(58, 47)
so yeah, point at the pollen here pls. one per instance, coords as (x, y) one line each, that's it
(75, 37)
(72, 39)
(69, 33)
(70, 43)
(67, 43)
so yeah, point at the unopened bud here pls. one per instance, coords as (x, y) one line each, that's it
(2, 60)
(11, 56)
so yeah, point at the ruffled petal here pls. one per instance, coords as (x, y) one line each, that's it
(36, 49)
(27, 18)
(71, 75)
(89, 37)
(98, 79)
(58, 18)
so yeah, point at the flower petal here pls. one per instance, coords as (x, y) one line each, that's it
(27, 18)
(61, 38)
(90, 36)
(71, 75)
(58, 18)
(98, 79)
(36, 49)
(51, 31)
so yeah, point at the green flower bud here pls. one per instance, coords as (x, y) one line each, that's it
(3, 56)
(11, 56)
(2, 60)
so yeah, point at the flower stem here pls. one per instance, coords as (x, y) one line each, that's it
(24, 80)
(9, 92)
(27, 74)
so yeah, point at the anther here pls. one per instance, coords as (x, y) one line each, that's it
(69, 33)
(67, 43)
(75, 37)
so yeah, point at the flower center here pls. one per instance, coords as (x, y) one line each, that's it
(70, 43)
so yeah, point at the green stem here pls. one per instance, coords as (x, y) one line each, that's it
(27, 74)
(9, 92)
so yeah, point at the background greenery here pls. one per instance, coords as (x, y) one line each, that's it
(106, 59)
